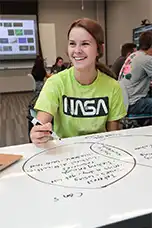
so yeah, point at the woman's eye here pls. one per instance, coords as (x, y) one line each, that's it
(85, 44)
(71, 43)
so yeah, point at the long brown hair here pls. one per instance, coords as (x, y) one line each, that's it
(97, 33)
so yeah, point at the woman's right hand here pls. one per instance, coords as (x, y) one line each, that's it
(40, 134)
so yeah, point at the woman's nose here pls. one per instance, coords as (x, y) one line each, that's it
(77, 49)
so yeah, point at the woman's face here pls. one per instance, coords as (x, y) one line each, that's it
(82, 49)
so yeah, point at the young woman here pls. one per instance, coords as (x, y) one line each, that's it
(39, 72)
(84, 99)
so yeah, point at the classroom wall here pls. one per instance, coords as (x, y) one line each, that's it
(123, 16)
(100, 17)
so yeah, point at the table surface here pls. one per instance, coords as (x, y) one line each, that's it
(87, 181)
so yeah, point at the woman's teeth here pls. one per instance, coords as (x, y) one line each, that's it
(78, 58)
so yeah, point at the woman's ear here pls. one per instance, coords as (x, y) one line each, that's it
(102, 48)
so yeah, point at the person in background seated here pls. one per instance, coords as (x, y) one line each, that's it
(58, 66)
(85, 98)
(126, 50)
(136, 74)
(39, 72)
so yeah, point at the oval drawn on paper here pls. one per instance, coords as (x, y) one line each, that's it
(83, 165)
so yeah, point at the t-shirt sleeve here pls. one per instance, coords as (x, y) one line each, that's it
(117, 108)
(48, 100)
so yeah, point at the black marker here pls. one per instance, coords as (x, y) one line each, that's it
(34, 121)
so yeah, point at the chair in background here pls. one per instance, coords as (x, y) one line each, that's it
(32, 82)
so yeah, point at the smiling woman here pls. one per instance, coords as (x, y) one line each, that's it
(84, 99)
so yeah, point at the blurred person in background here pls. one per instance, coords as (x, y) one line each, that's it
(58, 66)
(126, 50)
(39, 72)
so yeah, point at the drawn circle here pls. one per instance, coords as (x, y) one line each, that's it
(83, 165)
(139, 145)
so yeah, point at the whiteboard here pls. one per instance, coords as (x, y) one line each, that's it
(48, 42)
(80, 182)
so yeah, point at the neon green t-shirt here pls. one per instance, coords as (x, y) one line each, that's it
(81, 109)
